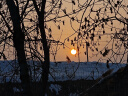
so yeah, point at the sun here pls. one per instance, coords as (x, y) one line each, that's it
(73, 51)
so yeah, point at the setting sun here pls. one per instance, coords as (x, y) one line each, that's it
(73, 51)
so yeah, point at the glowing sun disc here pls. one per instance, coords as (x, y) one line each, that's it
(73, 51)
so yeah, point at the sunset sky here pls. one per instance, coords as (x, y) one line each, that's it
(66, 31)
(65, 28)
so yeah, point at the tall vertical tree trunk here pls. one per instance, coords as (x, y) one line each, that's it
(46, 64)
(18, 40)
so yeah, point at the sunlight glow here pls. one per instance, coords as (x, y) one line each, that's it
(73, 51)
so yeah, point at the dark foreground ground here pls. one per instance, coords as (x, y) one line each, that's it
(117, 85)
(67, 87)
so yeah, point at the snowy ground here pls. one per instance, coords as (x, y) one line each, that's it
(58, 72)
(74, 71)
(62, 71)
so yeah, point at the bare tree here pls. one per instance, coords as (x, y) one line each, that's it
(18, 40)
(23, 36)
(46, 64)
(27, 25)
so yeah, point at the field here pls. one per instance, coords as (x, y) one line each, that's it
(71, 77)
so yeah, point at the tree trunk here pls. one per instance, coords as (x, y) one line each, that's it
(18, 40)
(46, 64)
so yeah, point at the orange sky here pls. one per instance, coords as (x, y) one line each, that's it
(66, 30)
